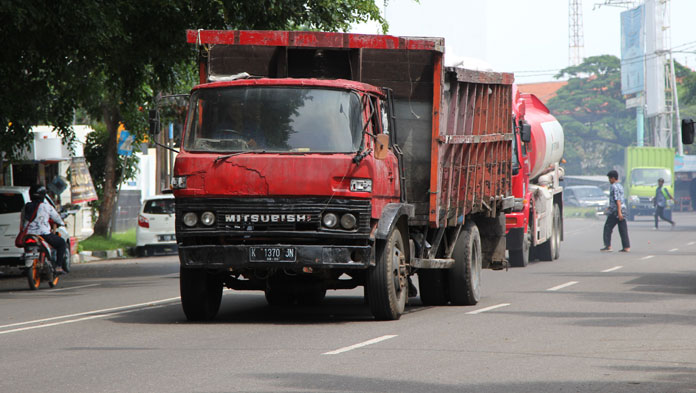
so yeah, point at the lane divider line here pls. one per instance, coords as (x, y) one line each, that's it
(360, 345)
(479, 311)
(104, 311)
(647, 257)
(612, 269)
(557, 287)
(674, 249)
(77, 287)
(690, 243)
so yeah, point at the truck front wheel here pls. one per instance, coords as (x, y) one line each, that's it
(387, 283)
(201, 293)
(550, 249)
(465, 276)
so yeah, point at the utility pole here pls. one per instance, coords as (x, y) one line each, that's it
(576, 41)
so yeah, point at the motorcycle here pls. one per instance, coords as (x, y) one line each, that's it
(40, 259)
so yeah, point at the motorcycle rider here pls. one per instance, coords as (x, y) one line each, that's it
(40, 225)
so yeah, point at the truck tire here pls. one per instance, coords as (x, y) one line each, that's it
(558, 223)
(465, 276)
(548, 251)
(520, 258)
(433, 287)
(387, 284)
(201, 293)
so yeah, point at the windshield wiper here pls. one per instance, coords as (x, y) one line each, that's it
(226, 156)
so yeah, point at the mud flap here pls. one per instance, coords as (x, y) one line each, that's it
(492, 242)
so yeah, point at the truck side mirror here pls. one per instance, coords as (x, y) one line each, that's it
(154, 122)
(526, 132)
(687, 131)
(381, 146)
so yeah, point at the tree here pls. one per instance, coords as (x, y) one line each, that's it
(593, 113)
(110, 58)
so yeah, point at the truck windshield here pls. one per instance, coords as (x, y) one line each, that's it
(274, 119)
(649, 176)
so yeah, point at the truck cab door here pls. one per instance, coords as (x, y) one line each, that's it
(386, 182)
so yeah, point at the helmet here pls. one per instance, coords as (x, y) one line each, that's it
(37, 193)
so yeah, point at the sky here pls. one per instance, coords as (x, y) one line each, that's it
(527, 37)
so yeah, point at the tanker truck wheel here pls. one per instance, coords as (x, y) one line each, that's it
(201, 293)
(465, 276)
(387, 283)
(550, 249)
(520, 258)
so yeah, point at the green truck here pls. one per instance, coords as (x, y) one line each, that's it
(644, 165)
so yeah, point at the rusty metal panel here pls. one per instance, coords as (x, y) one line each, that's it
(474, 145)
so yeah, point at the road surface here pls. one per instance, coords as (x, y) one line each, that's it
(589, 322)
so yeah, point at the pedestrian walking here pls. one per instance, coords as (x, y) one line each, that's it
(615, 214)
(662, 195)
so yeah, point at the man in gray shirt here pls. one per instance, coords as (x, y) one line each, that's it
(615, 214)
(660, 201)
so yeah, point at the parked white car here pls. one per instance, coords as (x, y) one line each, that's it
(12, 201)
(155, 232)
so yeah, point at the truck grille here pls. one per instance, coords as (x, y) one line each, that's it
(272, 214)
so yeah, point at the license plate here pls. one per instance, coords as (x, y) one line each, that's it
(272, 254)
(166, 238)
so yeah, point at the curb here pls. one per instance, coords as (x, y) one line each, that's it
(86, 256)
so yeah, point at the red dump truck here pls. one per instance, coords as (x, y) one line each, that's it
(535, 226)
(314, 161)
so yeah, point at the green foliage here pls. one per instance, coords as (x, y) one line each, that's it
(593, 113)
(60, 55)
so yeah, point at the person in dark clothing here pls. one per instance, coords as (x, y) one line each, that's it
(660, 201)
(41, 226)
(615, 214)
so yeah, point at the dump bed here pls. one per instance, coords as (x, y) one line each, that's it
(453, 125)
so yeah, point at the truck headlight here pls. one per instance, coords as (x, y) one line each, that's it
(361, 185)
(329, 220)
(348, 221)
(190, 219)
(635, 199)
(208, 218)
(178, 182)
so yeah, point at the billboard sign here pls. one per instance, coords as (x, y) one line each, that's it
(632, 50)
(81, 186)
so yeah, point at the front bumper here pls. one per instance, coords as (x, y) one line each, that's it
(316, 256)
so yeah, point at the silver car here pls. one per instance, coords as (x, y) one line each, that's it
(585, 196)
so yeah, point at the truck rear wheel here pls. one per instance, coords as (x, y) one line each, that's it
(201, 293)
(465, 276)
(520, 258)
(433, 287)
(387, 283)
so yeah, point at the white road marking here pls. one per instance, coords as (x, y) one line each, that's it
(557, 287)
(67, 288)
(647, 257)
(359, 345)
(101, 313)
(674, 249)
(690, 243)
(479, 311)
(612, 269)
